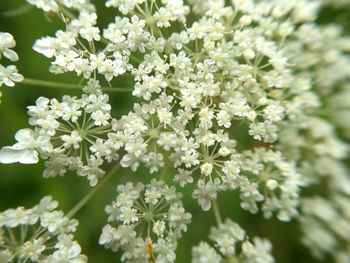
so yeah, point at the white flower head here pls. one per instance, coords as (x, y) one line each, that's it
(153, 218)
(54, 230)
(71, 134)
(231, 243)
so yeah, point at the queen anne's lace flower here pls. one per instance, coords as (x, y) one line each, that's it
(232, 245)
(39, 234)
(242, 95)
(197, 86)
(194, 95)
(145, 222)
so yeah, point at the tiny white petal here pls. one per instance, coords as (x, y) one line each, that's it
(10, 154)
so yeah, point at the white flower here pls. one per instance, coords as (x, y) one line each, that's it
(90, 33)
(52, 220)
(203, 253)
(163, 17)
(14, 217)
(183, 177)
(32, 249)
(205, 193)
(25, 150)
(6, 43)
(258, 252)
(71, 140)
(226, 236)
(9, 75)
(128, 215)
(158, 227)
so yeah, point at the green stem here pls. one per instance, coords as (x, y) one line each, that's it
(66, 12)
(216, 212)
(21, 10)
(52, 84)
(163, 173)
(87, 197)
(233, 259)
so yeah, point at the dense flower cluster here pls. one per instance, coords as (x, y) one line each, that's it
(325, 225)
(231, 244)
(71, 135)
(193, 94)
(8, 74)
(39, 234)
(145, 222)
(314, 137)
(240, 95)
(280, 184)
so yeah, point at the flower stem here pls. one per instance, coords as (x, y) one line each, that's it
(21, 10)
(66, 12)
(87, 197)
(216, 212)
(52, 84)
(232, 259)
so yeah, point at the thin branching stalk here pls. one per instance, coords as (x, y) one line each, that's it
(60, 85)
(87, 197)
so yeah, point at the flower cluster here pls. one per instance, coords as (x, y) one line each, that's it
(231, 244)
(192, 94)
(70, 135)
(61, 6)
(314, 137)
(280, 184)
(145, 222)
(325, 225)
(320, 57)
(8, 74)
(241, 95)
(39, 234)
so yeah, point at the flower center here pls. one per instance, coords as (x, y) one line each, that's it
(148, 216)
(153, 133)
(83, 132)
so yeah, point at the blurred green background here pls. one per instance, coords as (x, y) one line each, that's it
(23, 185)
